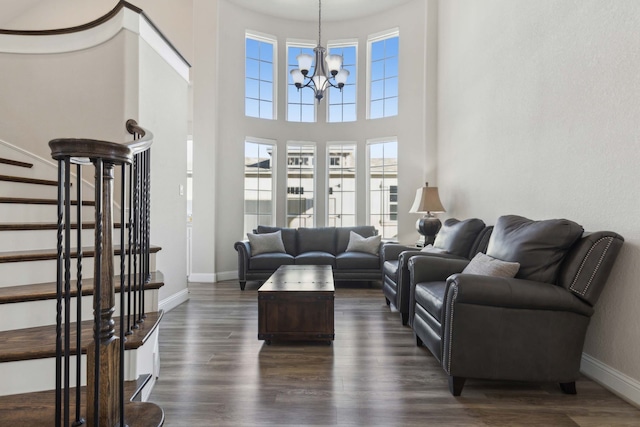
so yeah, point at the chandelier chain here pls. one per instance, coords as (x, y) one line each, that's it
(319, 20)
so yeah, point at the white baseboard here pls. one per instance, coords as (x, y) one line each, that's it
(202, 277)
(612, 379)
(226, 275)
(174, 300)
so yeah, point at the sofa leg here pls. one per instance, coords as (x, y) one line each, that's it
(405, 318)
(456, 384)
(242, 284)
(568, 388)
(418, 341)
(387, 300)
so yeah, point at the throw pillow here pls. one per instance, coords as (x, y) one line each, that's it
(433, 250)
(369, 245)
(485, 265)
(266, 243)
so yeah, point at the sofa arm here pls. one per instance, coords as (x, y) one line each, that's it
(512, 329)
(512, 293)
(244, 253)
(391, 251)
(434, 268)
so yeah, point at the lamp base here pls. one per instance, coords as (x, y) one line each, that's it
(428, 227)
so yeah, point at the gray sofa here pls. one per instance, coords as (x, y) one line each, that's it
(311, 246)
(530, 327)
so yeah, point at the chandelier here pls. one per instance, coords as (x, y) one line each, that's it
(320, 80)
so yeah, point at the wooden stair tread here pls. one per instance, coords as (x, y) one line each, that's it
(28, 226)
(16, 163)
(38, 409)
(49, 254)
(40, 342)
(23, 180)
(35, 201)
(47, 291)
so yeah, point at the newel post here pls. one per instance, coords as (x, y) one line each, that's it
(103, 354)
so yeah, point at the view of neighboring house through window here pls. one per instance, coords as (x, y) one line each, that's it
(260, 91)
(342, 104)
(382, 164)
(383, 75)
(341, 205)
(301, 103)
(258, 184)
(300, 185)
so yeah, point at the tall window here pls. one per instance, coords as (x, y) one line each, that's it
(341, 205)
(300, 185)
(383, 187)
(258, 184)
(260, 91)
(342, 104)
(301, 103)
(383, 75)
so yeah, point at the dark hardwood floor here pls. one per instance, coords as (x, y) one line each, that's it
(215, 372)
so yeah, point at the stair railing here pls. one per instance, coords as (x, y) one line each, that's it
(105, 403)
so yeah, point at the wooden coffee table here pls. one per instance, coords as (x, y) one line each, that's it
(296, 303)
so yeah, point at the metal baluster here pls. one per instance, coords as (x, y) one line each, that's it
(79, 420)
(129, 251)
(59, 268)
(122, 271)
(136, 172)
(143, 233)
(67, 287)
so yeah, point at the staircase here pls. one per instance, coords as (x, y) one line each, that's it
(39, 273)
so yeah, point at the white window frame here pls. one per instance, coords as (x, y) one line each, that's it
(371, 142)
(394, 32)
(315, 179)
(274, 169)
(328, 163)
(305, 44)
(339, 44)
(264, 38)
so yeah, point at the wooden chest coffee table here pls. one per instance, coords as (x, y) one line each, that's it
(296, 303)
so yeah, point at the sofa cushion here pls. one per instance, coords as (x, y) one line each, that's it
(266, 243)
(316, 258)
(430, 296)
(288, 237)
(539, 246)
(433, 250)
(457, 237)
(357, 261)
(368, 245)
(485, 265)
(270, 261)
(344, 234)
(322, 239)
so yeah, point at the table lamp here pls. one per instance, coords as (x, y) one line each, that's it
(427, 202)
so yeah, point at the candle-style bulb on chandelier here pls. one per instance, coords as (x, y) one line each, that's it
(320, 80)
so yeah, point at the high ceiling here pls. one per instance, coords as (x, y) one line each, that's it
(307, 10)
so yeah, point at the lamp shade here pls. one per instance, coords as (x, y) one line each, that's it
(304, 62)
(427, 200)
(334, 62)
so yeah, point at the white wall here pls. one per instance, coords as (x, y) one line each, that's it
(538, 107)
(162, 105)
(409, 126)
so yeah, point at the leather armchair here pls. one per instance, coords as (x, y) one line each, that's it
(528, 328)
(457, 240)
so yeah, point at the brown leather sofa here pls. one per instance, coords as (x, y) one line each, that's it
(456, 239)
(528, 328)
(311, 246)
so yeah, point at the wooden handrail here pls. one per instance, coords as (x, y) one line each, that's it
(96, 22)
(146, 137)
